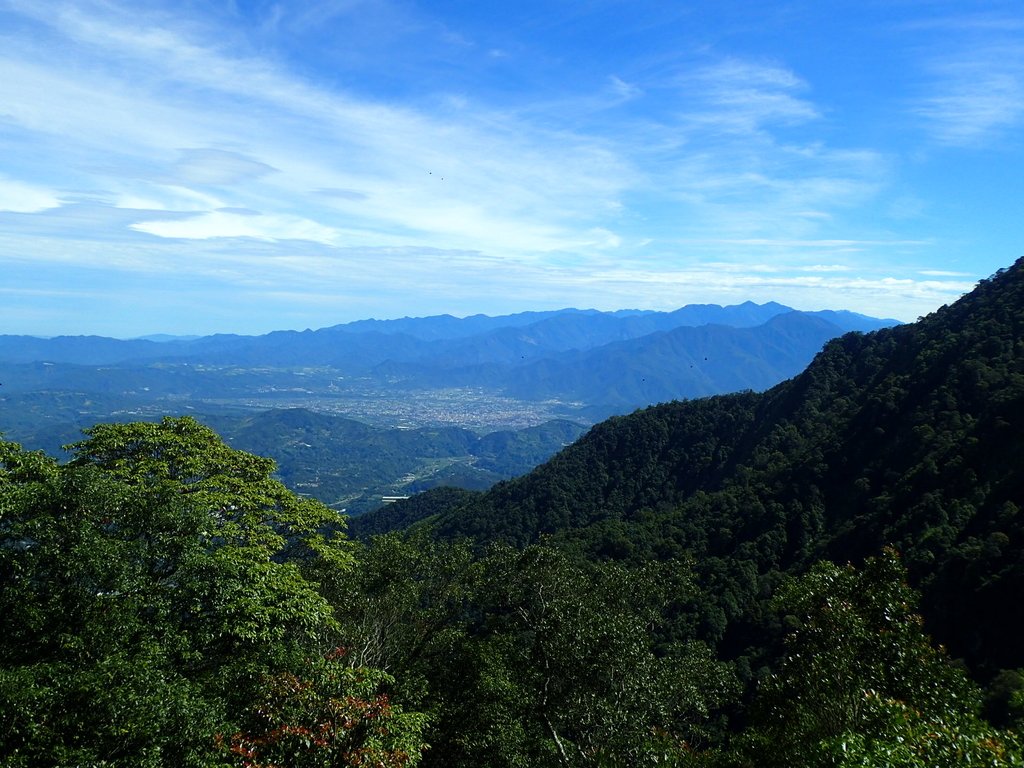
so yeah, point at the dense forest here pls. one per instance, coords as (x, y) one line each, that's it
(909, 436)
(824, 574)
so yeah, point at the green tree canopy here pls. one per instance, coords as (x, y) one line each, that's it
(861, 684)
(146, 603)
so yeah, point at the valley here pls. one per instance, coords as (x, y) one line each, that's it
(528, 374)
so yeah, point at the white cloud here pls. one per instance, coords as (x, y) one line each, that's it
(745, 96)
(876, 296)
(226, 223)
(343, 194)
(622, 89)
(166, 197)
(218, 167)
(817, 244)
(488, 180)
(198, 152)
(942, 273)
(826, 268)
(976, 102)
(19, 197)
(483, 181)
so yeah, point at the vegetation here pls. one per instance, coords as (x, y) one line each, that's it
(347, 464)
(147, 606)
(860, 684)
(351, 465)
(740, 581)
(908, 437)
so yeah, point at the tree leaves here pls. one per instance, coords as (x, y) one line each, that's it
(148, 597)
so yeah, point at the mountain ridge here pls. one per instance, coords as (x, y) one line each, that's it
(400, 334)
(906, 436)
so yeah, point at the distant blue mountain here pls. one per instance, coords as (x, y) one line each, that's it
(438, 327)
(614, 359)
(81, 350)
(165, 337)
(580, 364)
(443, 339)
(685, 362)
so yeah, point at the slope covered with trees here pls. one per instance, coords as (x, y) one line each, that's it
(909, 436)
(350, 465)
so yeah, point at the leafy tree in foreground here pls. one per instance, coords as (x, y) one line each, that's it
(146, 603)
(534, 657)
(407, 605)
(568, 671)
(334, 714)
(861, 684)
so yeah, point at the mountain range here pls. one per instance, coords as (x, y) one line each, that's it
(634, 357)
(349, 411)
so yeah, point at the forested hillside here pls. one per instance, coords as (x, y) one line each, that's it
(350, 465)
(909, 436)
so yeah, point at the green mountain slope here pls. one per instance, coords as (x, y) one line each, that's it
(351, 465)
(910, 436)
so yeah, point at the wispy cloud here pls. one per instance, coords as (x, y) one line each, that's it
(977, 101)
(817, 244)
(942, 273)
(744, 96)
(496, 184)
(623, 90)
(140, 141)
(19, 197)
(227, 223)
(976, 83)
(876, 295)
(218, 167)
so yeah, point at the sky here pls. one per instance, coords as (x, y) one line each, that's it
(203, 166)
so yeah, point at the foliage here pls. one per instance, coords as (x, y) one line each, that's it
(350, 465)
(905, 437)
(574, 645)
(531, 657)
(332, 715)
(162, 588)
(861, 685)
(410, 601)
(406, 513)
(908, 436)
(146, 595)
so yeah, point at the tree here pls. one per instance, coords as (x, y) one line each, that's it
(332, 715)
(862, 685)
(409, 600)
(568, 671)
(150, 595)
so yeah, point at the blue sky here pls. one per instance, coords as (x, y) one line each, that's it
(227, 166)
